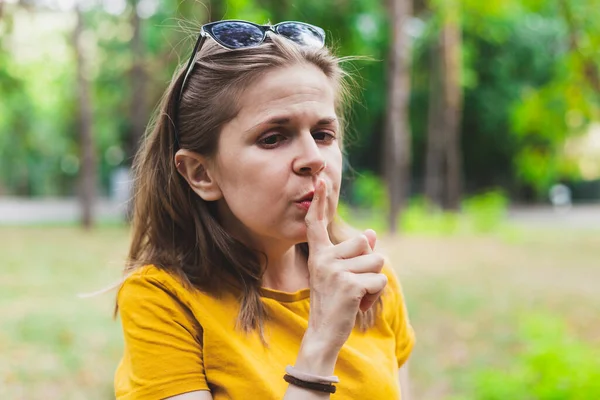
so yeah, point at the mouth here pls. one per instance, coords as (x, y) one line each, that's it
(304, 201)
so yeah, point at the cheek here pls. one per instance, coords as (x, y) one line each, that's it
(334, 173)
(248, 186)
(334, 169)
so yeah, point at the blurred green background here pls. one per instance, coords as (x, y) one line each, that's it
(497, 231)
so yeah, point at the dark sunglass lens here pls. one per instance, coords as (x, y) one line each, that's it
(303, 34)
(237, 34)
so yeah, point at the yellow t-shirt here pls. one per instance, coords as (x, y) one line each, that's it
(178, 341)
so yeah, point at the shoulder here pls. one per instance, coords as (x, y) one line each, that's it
(152, 273)
(163, 354)
(154, 292)
(150, 283)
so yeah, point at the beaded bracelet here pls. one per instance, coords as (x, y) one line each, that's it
(320, 387)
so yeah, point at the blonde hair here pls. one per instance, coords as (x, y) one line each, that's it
(175, 229)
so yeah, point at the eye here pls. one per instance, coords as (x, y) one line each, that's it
(271, 140)
(323, 136)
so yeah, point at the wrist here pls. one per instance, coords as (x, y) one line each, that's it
(316, 356)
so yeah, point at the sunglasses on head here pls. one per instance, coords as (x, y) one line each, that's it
(237, 34)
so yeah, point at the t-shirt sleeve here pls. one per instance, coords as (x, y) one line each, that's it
(399, 322)
(163, 343)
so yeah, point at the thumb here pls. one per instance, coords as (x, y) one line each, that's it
(371, 237)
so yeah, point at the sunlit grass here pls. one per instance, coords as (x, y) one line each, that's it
(469, 298)
(467, 295)
(54, 345)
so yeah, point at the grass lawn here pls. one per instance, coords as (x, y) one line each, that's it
(468, 297)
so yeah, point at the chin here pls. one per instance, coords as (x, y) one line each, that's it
(297, 235)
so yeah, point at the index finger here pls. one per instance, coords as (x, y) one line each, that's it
(316, 222)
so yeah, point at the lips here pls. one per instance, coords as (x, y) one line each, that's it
(304, 201)
(307, 197)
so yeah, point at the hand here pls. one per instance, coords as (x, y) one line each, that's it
(343, 278)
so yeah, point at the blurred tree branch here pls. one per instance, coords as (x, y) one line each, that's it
(588, 65)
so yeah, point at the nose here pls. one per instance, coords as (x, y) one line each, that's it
(309, 160)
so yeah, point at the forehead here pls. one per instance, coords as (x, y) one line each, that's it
(295, 91)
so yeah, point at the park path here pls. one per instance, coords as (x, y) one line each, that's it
(585, 216)
(23, 211)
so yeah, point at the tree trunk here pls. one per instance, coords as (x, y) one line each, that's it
(443, 176)
(398, 138)
(87, 173)
(138, 115)
(434, 158)
(451, 63)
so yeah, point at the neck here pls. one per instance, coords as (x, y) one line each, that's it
(286, 271)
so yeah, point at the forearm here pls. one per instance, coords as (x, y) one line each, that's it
(314, 357)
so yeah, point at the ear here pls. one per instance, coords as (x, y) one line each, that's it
(196, 170)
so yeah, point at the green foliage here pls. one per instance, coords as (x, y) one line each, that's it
(481, 214)
(344, 211)
(420, 217)
(486, 211)
(528, 85)
(36, 127)
(552, 365)
(369, 191)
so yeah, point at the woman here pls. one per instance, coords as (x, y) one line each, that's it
(242, 283)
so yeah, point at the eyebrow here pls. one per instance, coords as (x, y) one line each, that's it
(286, 121)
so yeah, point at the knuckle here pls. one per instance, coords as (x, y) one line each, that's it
(363, 242)
(379, 261)
(384, 280)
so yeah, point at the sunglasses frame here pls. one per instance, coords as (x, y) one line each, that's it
(206, 31)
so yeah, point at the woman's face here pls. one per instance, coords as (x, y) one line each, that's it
(285, 136)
